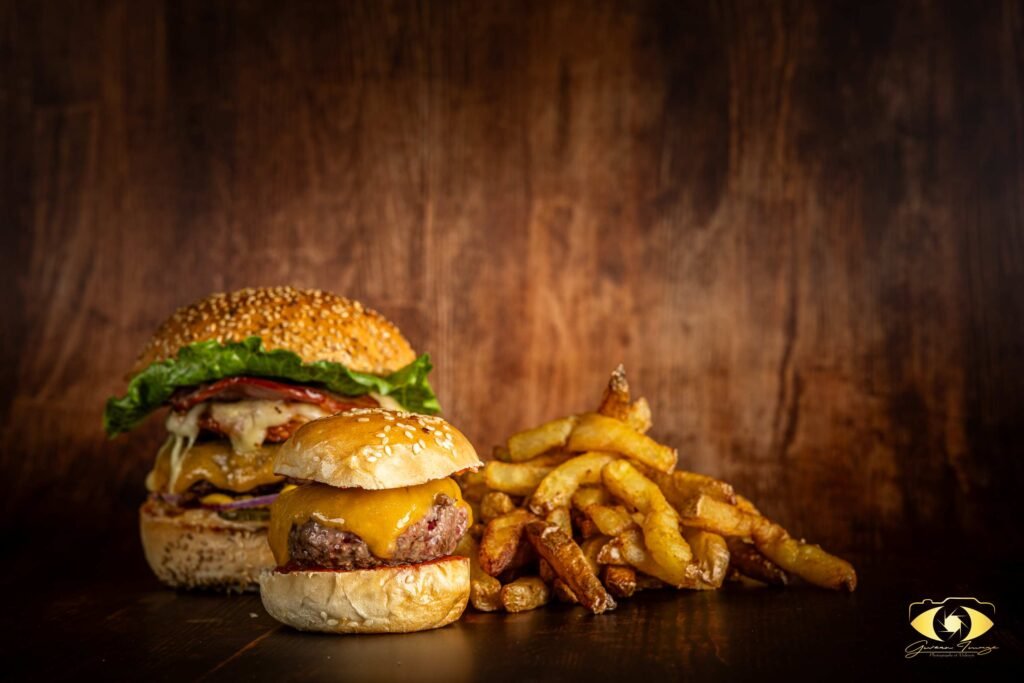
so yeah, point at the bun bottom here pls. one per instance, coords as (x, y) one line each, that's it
(196, 548)
(414, 597)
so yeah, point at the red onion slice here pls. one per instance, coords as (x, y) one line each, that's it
(257, 502)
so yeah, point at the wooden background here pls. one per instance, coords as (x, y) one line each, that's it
(799, 225)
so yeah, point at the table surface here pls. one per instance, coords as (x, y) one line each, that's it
(131, 628)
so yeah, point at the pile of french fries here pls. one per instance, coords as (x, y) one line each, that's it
(588, 508)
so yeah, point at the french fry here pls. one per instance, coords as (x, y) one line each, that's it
(710, 554)
(806, 560)
(611, 520)
(473, 485)
(615, 401)
(500, 453)
(710, 514)
(745, 558)
(660, 524)
(631, 546)
(583, 524)
(595, 432)
(532, 442)
(544, 570)
(501, 539)
(561, 517)
(609, 552)
(558, 487)
(620, 581)
(568, 561)
(516, 479)
(680, 486)
(639, 415)
(589, 495)
(495, 504)
(524, 594)
(484, 589)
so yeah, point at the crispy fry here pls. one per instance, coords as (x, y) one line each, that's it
(500, 453)
(495, 504)
(568, 561)
(710, 514)
(609, 551)
(805, 560)
(595, 432)
(680, 486)
(583, 523)
(615, 401)
(524, 594)
(710, 554)
(473, 485)
(745, 505)
(645, 582)
(500, 543)
(589, 495)
(620, 581)
(561, 517)
(484, 589)
(808, 561)
(558, 487)
(631, 546)
(514, 478)
(611, 520)
(660, 523)
(639, 415)
(476, 531)
(533, 442)
(745, 558)
(545, 571)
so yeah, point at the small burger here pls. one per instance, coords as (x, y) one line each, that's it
(239, 373)
(366, 545)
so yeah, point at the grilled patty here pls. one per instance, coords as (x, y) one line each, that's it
(435, 535)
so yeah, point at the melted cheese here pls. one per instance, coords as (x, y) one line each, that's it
(246, 422)
(377, 517)
(217, 463)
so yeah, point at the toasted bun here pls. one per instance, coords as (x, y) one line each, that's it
(413, 597)
(197, 549)
(371, 448)
(314, 324)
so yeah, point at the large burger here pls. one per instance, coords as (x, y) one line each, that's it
(239, 373)
(365, 546)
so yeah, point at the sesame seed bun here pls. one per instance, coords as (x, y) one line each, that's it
(196, 548)
(316, 325)
(375, 449)
(399, 599)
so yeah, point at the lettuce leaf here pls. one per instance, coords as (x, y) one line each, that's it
(210, 360)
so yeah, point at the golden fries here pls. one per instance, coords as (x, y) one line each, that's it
(500, 543)
(495, 504)
(602, 514)
(595, 432)
(525, 593)
(558, 487)
(661, 522)
(745, 558)
(566, 558)
(484, 589)
(533, 442)
(620, 581)
(517, 479)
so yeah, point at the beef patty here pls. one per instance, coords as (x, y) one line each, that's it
(435, 535)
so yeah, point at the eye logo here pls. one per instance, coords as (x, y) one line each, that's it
(951, 626)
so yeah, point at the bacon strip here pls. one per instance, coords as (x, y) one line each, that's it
(237, 388)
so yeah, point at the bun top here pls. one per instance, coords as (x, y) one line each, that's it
(372, 448)
(314, 324)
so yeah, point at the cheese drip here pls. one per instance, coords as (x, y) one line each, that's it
(377, 517)
(217, 463)
(245, 422)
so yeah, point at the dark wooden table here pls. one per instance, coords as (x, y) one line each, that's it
(131, 629)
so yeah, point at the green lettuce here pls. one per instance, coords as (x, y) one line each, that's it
(210, 360)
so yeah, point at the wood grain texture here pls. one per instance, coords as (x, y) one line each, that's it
(799, 225)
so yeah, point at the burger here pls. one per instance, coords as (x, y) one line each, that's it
(365, 545)
(238, 374)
